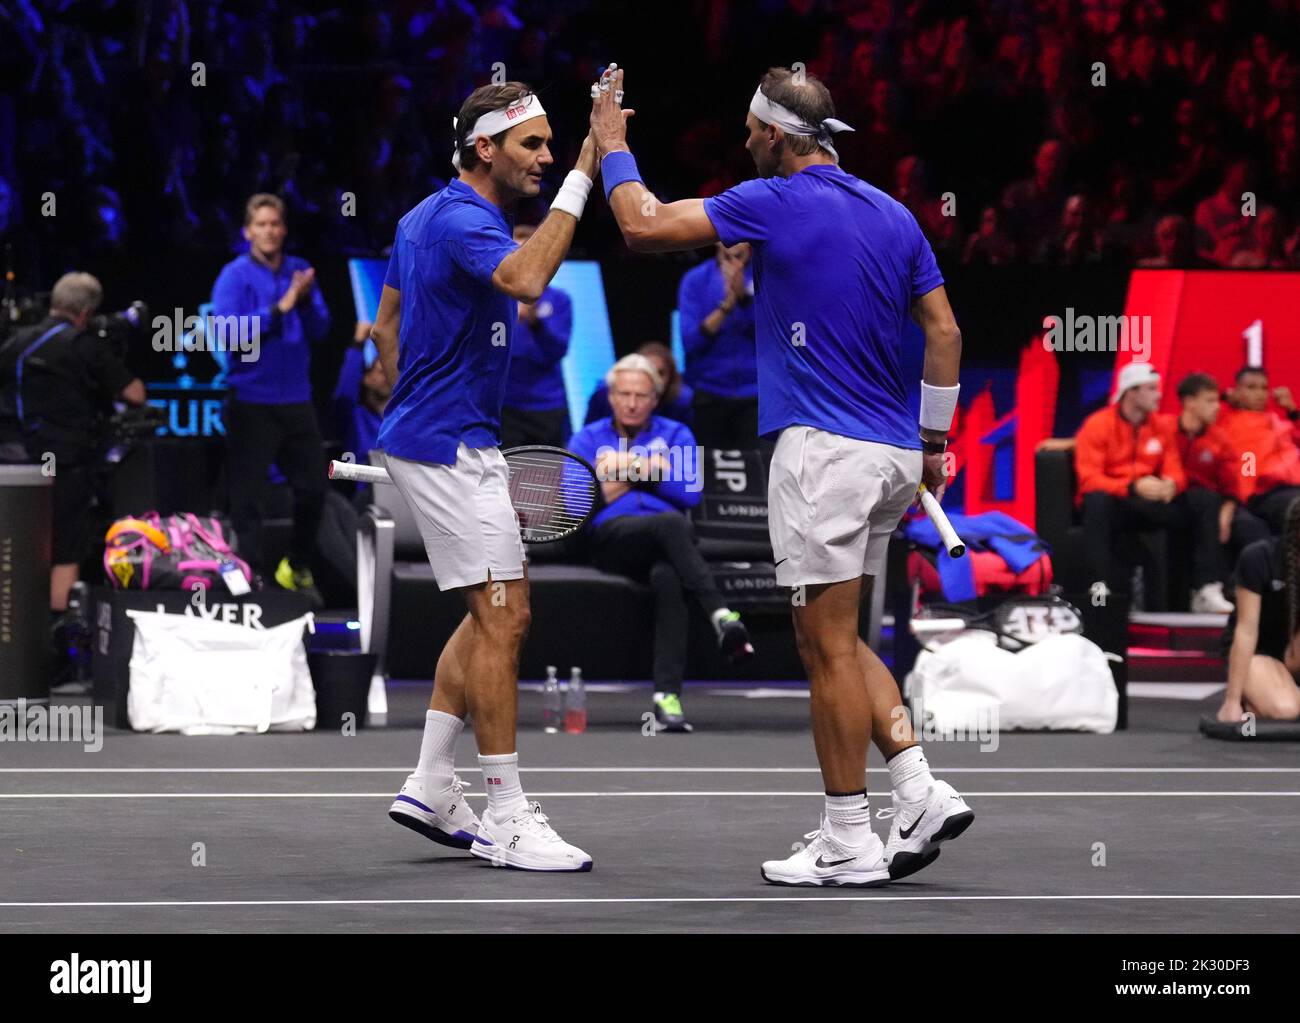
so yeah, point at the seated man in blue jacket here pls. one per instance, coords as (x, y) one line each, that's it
(536, 410)
(650, 473)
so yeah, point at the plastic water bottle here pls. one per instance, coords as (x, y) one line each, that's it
(575, 704)
(551, 702)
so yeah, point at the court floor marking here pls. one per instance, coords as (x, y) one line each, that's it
(709, 794)
(188, 904)
(638, 770)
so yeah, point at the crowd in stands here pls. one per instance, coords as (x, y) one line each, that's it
(988, 120)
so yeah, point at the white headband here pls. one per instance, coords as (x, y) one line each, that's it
(496, 121)
(792, 124)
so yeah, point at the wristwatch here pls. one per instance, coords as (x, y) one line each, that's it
(934, 447)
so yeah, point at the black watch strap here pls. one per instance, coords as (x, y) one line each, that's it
(934, 447)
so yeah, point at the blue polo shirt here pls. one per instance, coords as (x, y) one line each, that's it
(454, 341)
(837, 265)
(536, 382)
(664, 437)
(281, 372)
(725, 364)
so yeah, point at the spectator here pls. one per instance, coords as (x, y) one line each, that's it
(675, 400)
(1078, 241)
(1212, 466)
(1130, 476)
(1033, 206)
(1268, 249)
(269, 415)
(645, 463)
(715, 303)
(1270, 476)
(536, 410)
(990, 245)
(1173, 238)
(1221, 228)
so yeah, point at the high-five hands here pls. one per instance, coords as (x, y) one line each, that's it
(608, 118)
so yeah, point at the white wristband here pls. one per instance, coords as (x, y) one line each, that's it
(572, 196)
(937, 406)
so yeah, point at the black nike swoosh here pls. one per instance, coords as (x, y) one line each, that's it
(823, 864)
(907, 832)
(781, 562)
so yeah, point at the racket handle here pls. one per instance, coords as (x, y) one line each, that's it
(951, 541)
(361, 473)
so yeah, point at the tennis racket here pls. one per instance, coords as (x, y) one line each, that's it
(951, 541)
(554, 491)
(1017, 622)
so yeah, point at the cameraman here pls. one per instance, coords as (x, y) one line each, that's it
(56, 379)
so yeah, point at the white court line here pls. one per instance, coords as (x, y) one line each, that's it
(590, 795)
(638, 770)
(681, 899)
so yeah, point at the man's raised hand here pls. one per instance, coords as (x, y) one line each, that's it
(608, 118)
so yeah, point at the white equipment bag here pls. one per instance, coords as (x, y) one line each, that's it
(198, 676)
(1061, 682)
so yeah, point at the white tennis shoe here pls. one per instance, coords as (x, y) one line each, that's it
(919, 828)
(825, 861)
(441, 815)
(526, 841)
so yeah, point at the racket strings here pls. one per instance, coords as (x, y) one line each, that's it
(552, 493)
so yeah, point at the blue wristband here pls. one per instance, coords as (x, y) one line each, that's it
(616, 169)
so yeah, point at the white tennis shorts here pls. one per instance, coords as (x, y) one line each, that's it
(832, 503)
(469, 526)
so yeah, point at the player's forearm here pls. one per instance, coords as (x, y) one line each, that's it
(1243, 649)
(525, 273)
(385, 340)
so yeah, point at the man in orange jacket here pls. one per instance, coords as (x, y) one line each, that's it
(1268, 474)
(1211, 462)
(1130, 476)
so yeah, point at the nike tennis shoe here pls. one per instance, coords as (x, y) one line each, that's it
(733, 638)
(825, 861)
(669, 716)
(300, 581)
(526, 841)
(919, 828)
(441, 815)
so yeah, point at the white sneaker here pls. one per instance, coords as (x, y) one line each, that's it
(441, 815)
(920, 827)
(825, 861)
(527, 842)
(1209, 599)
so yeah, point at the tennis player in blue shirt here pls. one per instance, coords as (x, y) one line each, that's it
(838, 266)
(446, 314)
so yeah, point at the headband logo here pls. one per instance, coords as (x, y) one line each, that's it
(513, 112)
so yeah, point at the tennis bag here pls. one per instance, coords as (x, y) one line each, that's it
(967, 682)
(172, 552)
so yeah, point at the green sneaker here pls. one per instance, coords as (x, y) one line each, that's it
(669, 714)
(300, 581)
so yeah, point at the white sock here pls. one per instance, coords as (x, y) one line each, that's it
(849, 818)
(909, 774)
(438, 747)
(501, 779)
(718, 615)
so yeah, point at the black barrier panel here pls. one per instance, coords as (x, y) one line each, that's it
(115, 632)
(26, 502)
